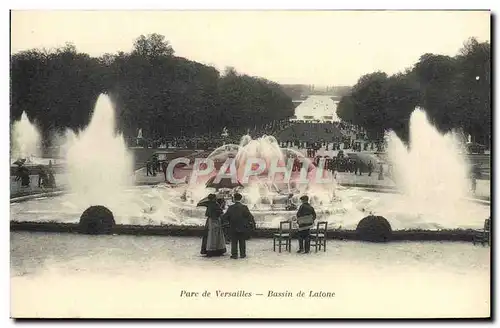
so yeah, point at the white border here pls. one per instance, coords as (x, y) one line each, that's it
(185, 4)
(255, 4)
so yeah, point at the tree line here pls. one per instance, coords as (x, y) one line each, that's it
(454, 91)
(152, 89)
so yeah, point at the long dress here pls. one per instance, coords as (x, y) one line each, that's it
(213, 242)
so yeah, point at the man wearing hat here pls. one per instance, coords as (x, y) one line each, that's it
(305, 220)
(241, 224)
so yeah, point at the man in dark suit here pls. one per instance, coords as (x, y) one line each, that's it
(164, 166)
(304, 231)
(241, 223)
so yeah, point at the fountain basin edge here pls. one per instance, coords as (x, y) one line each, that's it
(18, 198)
(456, 235)
(21, 197)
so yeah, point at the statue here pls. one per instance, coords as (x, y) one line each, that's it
(224, 134)
(139, 137)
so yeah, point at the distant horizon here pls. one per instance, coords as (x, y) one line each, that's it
(288, 47)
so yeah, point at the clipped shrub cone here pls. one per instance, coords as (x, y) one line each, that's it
(375, 229)
(96, 220)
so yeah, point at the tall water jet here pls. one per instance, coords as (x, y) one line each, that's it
(265, 148)
(432, 171)
(98, 162)
(25, 139)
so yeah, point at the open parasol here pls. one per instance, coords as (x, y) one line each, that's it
(20, 161)
(203, 202)
(223, 183)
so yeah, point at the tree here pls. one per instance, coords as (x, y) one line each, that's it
(474, 83)
(152, 46)
(58, 88)
(454, 91)
(152, 89)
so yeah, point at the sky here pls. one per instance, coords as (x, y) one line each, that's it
(297, 47)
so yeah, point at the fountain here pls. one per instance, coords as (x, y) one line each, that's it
(99, 173)
(264, 191)
(98, 163)
(431, 172)
(25, 139)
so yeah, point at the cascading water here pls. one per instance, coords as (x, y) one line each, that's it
(431, 172)
(262, 190)
(98, 163)
(25, 139)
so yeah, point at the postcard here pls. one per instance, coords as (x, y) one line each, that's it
(250, 164)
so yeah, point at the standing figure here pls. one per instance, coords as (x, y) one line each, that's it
(225, 225)
(213, 243)
(473, 184)
(164, 166)
(305, 220)
(370, 168)
(381, 172)
(52, 179)
(23, 174)
(154, 164)
(241, 224)
(42, 177)
(353, 166)
(475, 173)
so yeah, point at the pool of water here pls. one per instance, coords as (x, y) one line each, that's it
(156, 205)
(67, 275)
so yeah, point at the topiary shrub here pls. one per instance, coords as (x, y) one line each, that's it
(374, 228)
(96, 220)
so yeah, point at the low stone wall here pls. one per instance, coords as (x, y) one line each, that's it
(196, 231)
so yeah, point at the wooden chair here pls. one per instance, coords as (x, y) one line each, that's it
(284, 236)
(318, 236)
(483, 236)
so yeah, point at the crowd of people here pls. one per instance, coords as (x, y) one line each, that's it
(213, 140)
(341, 163)
(335, 145)
(352, 137)
(235, 225)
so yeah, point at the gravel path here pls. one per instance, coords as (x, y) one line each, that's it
(65, 275)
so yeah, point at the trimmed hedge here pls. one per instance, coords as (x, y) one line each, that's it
(461, 235)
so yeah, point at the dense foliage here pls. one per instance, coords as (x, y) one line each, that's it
(454, 91)
(154, 90)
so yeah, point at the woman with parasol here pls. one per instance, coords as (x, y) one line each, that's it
(23, 173)
(213, 242)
